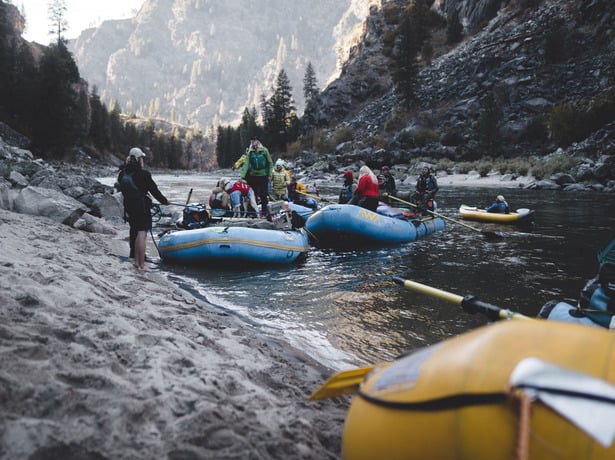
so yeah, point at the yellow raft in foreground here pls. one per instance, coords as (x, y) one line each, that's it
(521, 216)
(470, 397)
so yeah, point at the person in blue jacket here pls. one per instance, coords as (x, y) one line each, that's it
(499, 205)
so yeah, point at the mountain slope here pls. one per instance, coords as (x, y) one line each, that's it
(505, 58)
(202, 61)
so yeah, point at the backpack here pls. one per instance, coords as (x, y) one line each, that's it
(195, 216)
(257, 160)
(135, 201)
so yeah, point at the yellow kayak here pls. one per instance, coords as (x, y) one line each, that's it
(522, 215)
(513, 389)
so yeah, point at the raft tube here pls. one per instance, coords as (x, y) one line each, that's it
(452, 400)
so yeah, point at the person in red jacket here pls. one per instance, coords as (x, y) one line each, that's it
(367, 191)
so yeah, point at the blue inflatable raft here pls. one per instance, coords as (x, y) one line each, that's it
(350, 225)
(234, 245)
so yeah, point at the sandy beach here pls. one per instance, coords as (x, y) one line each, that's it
(101, 361)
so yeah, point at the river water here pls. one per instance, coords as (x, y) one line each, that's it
(342, 307)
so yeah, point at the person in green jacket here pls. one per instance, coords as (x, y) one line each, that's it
(256, 171)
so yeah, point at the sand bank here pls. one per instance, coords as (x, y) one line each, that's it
(101, 361)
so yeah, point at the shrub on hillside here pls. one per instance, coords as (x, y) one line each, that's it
(343, 134)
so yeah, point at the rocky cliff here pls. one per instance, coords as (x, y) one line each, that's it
(202, 61)
(503, 57)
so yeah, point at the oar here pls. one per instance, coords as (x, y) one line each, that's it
(469, 303)
(347, 382)
(316, 197)
(189, 195)
(445, 217)
(342, 383)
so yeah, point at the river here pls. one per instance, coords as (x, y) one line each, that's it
(342, 307)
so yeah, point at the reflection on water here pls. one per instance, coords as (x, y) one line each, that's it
(342, 308)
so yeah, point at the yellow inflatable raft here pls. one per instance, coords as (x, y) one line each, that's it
(520, 216)
(469, 397)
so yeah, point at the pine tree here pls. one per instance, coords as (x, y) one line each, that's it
(57, 18)
(312, 96)
(454, 30)
(412, 33)
(489, 122)
(310, 84)
(279, 117)
(59, 115)
(247, 129)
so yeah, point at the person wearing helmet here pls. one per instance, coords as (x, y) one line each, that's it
(499, 205)
(136, 184)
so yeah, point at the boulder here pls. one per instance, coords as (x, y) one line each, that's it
(6, 196)
(50, 203)
(92, 224)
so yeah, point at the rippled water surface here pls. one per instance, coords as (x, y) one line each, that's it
(342, 308)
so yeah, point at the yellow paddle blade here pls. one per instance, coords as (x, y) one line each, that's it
(343, 383)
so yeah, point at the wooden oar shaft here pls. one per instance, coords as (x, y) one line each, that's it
(433, 213)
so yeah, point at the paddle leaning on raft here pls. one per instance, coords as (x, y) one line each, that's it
(349, 225)
(521, 216)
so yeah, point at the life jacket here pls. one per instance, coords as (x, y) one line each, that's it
(425, 184)
(241, 186)
(346, 194)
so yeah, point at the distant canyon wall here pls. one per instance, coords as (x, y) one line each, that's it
(201, 62)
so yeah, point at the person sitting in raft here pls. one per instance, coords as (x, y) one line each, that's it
(499, 205)
(367, 192)
(386, 184)
(219, 198)
(426, 189)
(297, 194)
(348, 188)
(596, 304)
(240, 194)
(280, 180)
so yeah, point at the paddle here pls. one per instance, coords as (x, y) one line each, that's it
(445, 217)
(316, 197)
(189, 195)
(347, 382)
(469, 303)
(342, 383)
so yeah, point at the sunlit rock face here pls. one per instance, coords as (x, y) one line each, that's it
(203, 61)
